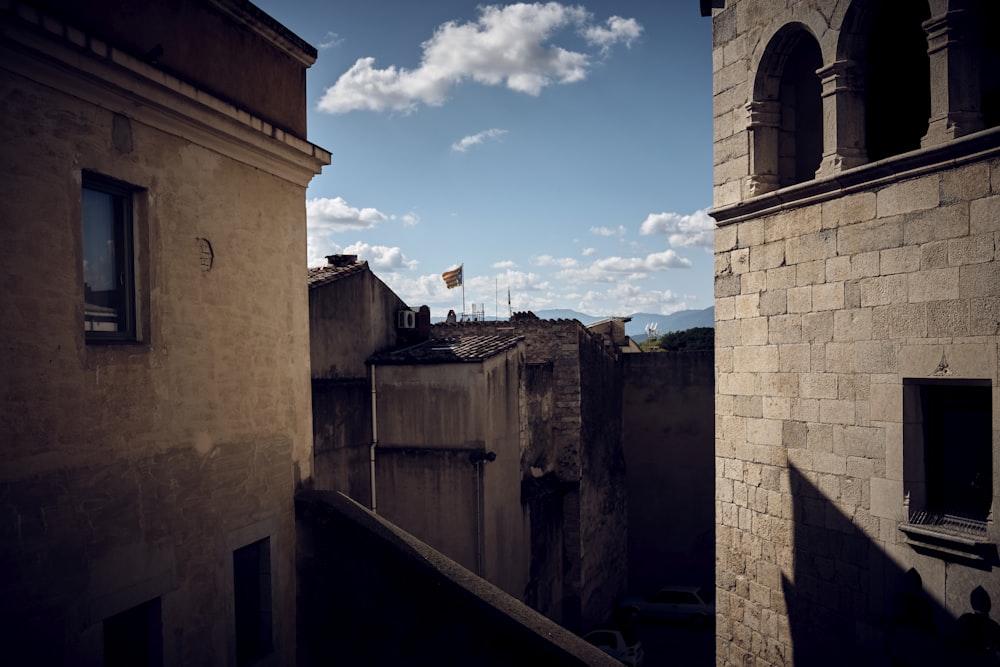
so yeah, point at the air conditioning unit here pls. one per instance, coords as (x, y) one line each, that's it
(406, 319)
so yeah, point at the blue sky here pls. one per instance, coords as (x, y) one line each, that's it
(563, 151)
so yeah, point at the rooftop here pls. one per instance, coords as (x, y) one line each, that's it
(466, 349)
(323, 275)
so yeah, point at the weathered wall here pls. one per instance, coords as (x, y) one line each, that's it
(431, 418)
(342, 436)
(571, 446)
(829, 295)
(350, 319)
(603, 533)
(669, 422)
(132, 471)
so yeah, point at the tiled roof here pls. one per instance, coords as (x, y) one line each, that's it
(323, 275)
(449, 350)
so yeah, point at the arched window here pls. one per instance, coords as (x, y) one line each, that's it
(786, 115)
(897, 89)
(990, 64)
(801, 138)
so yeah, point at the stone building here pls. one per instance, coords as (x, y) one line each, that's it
(857, 191)
(155, 371)
(352, 315)
(572, 465)
(447, 450)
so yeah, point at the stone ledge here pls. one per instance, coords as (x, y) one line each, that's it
(974, 147)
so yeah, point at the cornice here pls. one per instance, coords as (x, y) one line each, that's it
(971, 148)
(61, 57)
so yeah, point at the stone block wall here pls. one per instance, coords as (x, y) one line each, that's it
(831, 295)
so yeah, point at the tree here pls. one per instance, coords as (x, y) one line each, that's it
(690, 340)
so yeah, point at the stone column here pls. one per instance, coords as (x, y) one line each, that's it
(763, 125)
(843, 117)
(956, 88)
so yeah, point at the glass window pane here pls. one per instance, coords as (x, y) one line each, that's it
(106, 261)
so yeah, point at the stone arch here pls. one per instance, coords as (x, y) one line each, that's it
(786, 111)
(886, 45)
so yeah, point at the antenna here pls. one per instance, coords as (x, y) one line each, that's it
(651, 330)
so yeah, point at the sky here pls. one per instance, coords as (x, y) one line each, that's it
(558, 152)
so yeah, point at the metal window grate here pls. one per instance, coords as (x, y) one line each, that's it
(950, 523)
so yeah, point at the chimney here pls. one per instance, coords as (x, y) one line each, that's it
(342, 260)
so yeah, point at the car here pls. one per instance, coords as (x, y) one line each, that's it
(681, 603)
(621, 643)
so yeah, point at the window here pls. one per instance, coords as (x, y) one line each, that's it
(800, 139)
(948, 454)
(108, 260)
(252, 590)
(898, 85)
(786, 114)
(134, 638)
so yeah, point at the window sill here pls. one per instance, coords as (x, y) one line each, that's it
(950, 543)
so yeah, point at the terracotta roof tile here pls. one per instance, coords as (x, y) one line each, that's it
(323, 275)
(466, 349)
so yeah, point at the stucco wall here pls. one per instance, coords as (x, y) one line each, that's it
(133, 471)
(431, 418)
(350, 319)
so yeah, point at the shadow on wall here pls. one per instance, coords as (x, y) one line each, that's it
(851, 604)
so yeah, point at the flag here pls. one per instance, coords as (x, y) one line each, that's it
(453, 278)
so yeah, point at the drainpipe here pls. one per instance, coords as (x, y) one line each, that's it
(371, 450)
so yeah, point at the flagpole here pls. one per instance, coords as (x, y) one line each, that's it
(463, 287)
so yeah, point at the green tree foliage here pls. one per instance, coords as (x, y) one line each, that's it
(689, 340)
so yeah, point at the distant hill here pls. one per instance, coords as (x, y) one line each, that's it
(636, 329)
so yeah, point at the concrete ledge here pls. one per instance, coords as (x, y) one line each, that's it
(370, 593)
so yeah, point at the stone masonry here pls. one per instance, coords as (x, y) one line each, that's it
(835, 295)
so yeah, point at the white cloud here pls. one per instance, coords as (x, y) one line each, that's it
(409, 219)
(611, 269)
(630, 299)
(587, 252)
(380, 256)
(617, 30)
(336, 215)
(549, 260)
(607, 231)
(507, 45)
(465, 143)
(684, 231)
(506, 264)
(331, 39)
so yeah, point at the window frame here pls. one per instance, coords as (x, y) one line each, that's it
(124, 232)
(927, 523)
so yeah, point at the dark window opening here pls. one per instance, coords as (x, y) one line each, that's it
(898, 84)
(801, 134)
(990, 65)
(134, 638)
(108, 260)
(252, 589)
(949, 427)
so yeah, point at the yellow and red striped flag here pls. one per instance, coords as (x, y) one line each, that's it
(453, 278)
